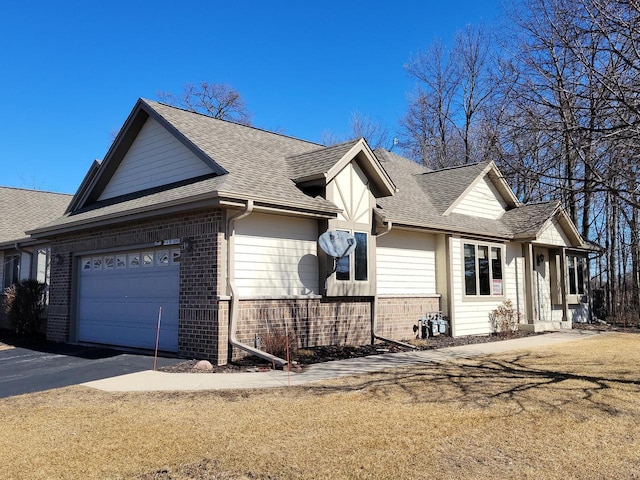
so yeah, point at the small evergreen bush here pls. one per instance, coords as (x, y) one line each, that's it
(24, 306)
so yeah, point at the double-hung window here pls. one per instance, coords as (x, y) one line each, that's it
(483, 267)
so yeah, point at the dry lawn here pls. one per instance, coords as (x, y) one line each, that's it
(571, 411)
(4, 346)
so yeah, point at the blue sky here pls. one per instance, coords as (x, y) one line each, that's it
(71, 71)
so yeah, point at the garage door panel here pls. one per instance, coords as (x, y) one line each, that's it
(119, 306)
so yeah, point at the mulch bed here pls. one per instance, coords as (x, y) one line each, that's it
(310, 355)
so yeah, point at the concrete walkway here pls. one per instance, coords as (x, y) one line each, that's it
(149, 380)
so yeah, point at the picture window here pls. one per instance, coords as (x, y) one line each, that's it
(483, 269)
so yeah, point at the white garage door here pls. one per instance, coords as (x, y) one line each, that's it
(120, 295)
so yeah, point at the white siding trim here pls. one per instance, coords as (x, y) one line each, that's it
(154, 159)
(276, 256)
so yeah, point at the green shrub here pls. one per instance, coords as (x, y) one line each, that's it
(24, 306)
(505, 318)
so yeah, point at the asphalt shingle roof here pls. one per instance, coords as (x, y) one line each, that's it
(22, 210)
(413, 207)
(445, 186)
(526, 221)
(254, 159)
(263, 166)
(319, 161)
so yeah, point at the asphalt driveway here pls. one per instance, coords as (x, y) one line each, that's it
(26, 370)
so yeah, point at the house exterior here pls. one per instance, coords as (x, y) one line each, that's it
(211, 227)
(23, 257)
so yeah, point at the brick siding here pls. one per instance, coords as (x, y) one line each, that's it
(398, 315)
(339, 321)
(204, 316)
(200, 272)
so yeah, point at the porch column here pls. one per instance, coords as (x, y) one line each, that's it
(527, 251)
(563, 284)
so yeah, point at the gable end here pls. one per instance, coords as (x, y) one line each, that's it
(93, 190)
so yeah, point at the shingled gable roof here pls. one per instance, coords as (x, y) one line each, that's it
(253, 164)
(22, 210)
(411, 206)
(528, 221)
(323, 164)
(447, 187)
(247, 163)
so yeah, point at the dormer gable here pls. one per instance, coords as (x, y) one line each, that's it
(320, 167)
(487, 196)
(477, 190)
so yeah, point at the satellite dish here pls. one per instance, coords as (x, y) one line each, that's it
(337, 244)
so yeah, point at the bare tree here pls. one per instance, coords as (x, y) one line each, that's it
(447, 113)
(362, 126)
(577, 92)
(213, 99)
(429, 128)
(373, 131)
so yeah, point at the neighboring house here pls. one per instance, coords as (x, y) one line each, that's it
(217, 223)
(21, 256)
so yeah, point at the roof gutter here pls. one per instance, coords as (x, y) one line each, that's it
(374, 308)
(231, 283)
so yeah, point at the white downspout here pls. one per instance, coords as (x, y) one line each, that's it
(231, 284)
(374, 306)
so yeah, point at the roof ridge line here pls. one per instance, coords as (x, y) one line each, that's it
(455, 167)
(263, 130)
(25, 189)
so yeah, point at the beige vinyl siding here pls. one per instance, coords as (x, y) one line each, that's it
(542, 288)
(483, 200)
(552, 234)
(406, 264)
(155, 158)
(276, 256)
(472, 313)
(442, 273)
(514, 278)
